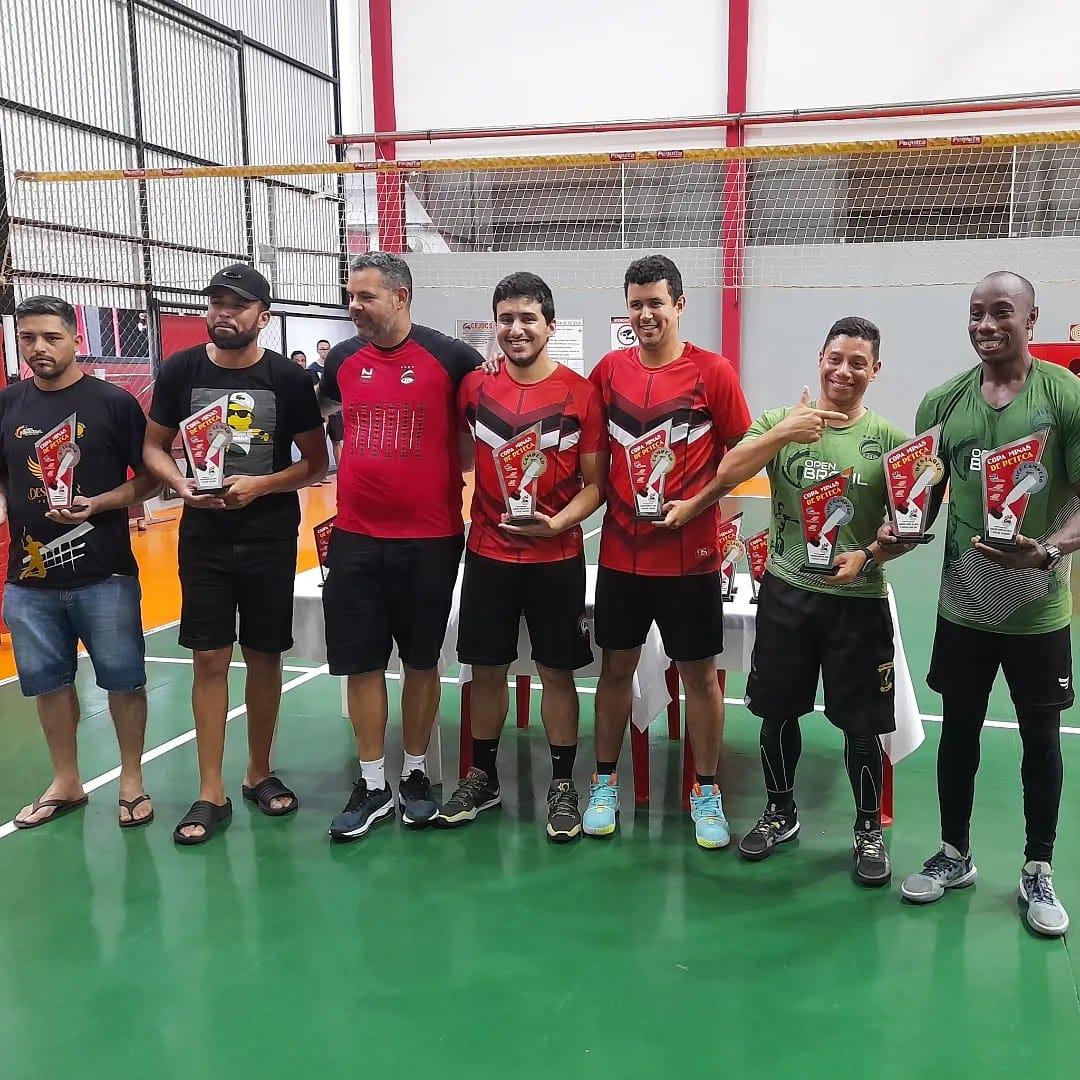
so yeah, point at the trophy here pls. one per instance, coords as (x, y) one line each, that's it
(207, 435)
(731, 551)
(825, 509)
(521, 463)
(757, 555)
(650, 459)
(1011, 474)
(911, 471)
(57, 455)
(322, 543)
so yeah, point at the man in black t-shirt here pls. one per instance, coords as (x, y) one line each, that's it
(237, 550)
(71, 575)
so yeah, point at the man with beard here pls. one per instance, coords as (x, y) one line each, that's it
(237, 550)
(1004, 608)
(393, 554)
(540, 453)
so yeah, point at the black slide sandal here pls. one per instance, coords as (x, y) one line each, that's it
(265, 791)
(207, 814)
(129, 805)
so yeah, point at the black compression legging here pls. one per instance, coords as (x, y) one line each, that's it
(1040, 772)
(781, 747)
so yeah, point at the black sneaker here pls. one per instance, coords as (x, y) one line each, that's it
(473, 794)
(418, 808)
(364, 810)
(774, 827)
(872, 866)
(564, 816)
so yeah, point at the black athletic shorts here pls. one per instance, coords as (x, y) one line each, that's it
(335, 427)
(551, 596)
(378, 592)
(1038, 667)
(688, 610)
(219, 579)
(848, 639)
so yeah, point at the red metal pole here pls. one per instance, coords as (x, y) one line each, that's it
(389, 188)
(734, 238)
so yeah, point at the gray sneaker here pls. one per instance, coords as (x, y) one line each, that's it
(939, 872)
(1045, 913)
(472, 795)
(564, 814)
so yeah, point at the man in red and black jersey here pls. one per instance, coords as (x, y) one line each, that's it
(672, 409)
(393, 555)
(537, 438)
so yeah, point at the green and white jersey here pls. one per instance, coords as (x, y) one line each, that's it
(974, 591)
(859, 447)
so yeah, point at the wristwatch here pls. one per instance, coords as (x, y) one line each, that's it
(1054, 555)
(871, 562)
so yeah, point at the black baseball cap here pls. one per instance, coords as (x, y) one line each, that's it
(243, 280)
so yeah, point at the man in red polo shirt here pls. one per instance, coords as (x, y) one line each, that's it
(672, 410)
(393, 555)
(541, 454)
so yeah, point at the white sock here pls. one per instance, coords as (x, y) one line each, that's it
(413, 761)
(374, 773)
(953, 853)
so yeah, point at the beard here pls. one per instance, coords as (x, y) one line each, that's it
(232, 342)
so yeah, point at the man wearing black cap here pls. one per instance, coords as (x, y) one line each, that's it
(237, 550)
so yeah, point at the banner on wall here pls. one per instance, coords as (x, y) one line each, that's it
(622, 333)
(566, 345)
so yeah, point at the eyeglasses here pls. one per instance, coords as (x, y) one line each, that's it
(240, 414)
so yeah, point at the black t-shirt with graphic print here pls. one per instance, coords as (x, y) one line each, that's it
(109, 434)
(270, 403)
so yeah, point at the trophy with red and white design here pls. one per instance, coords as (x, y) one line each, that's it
(757, 555)
(206, 436)
(731, 551)
(322, 533)
(911, 471)
(57, 455)
(650, 459)
(521, 463)
(825, 510)
(1011, 474)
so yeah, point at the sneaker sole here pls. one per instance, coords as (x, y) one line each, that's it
(761, 856)
(607, 830)
(1044, 931)
(564, 836)
(440, 821)
(712, 845)
(872, 882)
(386, 813)
(415, 823)
(960, 883)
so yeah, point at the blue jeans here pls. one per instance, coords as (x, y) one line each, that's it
(47, 624)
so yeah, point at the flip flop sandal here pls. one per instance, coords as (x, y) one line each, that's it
(264, 793)
(207, 814)
(63, 806)
(133, 822)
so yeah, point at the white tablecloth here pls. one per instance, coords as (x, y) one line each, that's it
(651, 695)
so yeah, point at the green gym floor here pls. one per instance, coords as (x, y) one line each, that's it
(487, 952)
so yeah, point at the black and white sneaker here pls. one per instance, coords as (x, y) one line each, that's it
(473, 794)
(564, 813)
(364, 810)
(774, 827)
(872, 866)
(417, 804)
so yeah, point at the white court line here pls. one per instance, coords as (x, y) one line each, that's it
(188, 736)
(595, 532)
(187, 660)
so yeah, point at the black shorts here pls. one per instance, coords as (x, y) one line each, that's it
(688, 610)
(335, 427)
(218, 579)
(848, 639)
(378, 592)
(551, 596)
(1038, 667)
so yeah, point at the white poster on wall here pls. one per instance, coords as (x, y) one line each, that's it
(566, 345)
(622, 334)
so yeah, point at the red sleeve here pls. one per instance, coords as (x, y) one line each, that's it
(730, 414)
(593, 425)
(466, 400)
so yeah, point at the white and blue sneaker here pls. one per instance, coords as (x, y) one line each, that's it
(940, 872)
(602, 813)
(1046, 914)
(707, 814)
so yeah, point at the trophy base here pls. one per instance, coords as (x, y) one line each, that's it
(219, 490)
(658, 516)
(821, 571)
(527, 519)
(753, 599)
(726, 597)
(922, 538)
(999, 545)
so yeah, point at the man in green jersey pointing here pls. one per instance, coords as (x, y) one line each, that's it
(839, 626)
(1007, 609)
